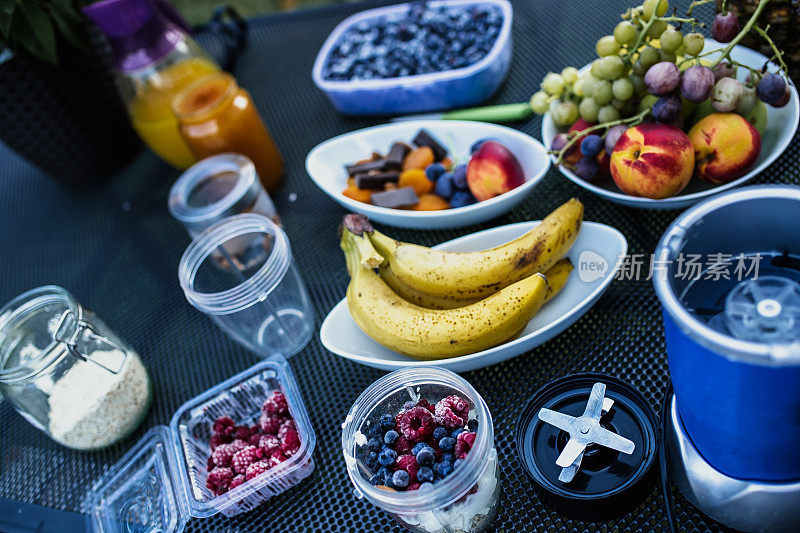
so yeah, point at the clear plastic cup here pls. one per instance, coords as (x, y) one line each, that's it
(216, 188)
(464, 501)
(240, 272)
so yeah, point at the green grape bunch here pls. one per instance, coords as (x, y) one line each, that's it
(649, 69)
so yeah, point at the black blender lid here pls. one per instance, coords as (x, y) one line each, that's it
(607, 481)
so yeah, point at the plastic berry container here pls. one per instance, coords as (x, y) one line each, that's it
(161, 482)
(466, 500)
(460, 87)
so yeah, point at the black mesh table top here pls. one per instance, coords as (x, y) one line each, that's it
(116, 248)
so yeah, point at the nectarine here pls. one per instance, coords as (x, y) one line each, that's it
(492, 171)
(725, 147)
(653, 161)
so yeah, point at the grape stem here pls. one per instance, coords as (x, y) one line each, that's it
(632, 121)
(697, 3)
(778, 53)
(726, 52)
(639, 38)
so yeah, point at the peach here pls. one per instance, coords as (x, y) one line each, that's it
(492, 171)
(653, 161)
(725, 147)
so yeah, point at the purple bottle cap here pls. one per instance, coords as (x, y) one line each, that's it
(139, 30)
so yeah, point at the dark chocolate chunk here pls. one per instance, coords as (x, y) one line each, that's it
(405, 197)
(366, 166)
(396, 155)
(376, 180)
(424, 138)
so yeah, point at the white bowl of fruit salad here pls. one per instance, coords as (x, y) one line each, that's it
(429, 174)
(773, 127)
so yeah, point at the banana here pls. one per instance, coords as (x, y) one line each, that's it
(472, 276)
(556, 277)
(432, 333)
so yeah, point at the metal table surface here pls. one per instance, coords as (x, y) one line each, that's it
(116, 248)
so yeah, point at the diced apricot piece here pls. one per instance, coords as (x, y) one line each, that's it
(359, 195)
(416, 178)
(418, 158)
(431, 202)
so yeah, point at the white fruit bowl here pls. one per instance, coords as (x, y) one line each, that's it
(781, 127)
(325, 165)
(597, 255)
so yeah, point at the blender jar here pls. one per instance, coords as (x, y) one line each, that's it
(240, 272)
(737, 384)
(218, 187)
(466, 500)
(161, 482)
(68, 373)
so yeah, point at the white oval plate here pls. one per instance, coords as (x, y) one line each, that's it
(781, 126)
(597, 255)
(325, 165)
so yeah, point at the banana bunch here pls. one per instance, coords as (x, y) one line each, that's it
(433, 305)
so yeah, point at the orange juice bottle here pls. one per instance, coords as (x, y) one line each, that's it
(155, 59)
(216, 116)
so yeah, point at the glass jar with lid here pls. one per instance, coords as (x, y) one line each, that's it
(67, 372)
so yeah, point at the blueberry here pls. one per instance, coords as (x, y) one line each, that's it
(409, 405)
(439, 433)
(443, 469)
(387, 422)
(434, 171)
(387, 457)
(372, 460)
(391, 437)
(426, 485)
(400, 479)
(456, 432)
(444, 186)
(374, 444)
(448, 458)
(418, 448)
(472, 425)
(384, 473)
(457, 463)
(447, 444)
(425, 457)
(460, 177)
(376, 480)
(425, 474)
(461, 199)
(373, 430)
(591, 145)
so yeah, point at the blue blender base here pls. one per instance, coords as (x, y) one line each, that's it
(744, 505)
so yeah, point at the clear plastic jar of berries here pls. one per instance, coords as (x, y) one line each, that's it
(419, 443)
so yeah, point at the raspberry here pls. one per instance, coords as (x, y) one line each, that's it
(223, 425)
(245, 457)
(210, 464)
(269, 443)
(402, 445)
(452, 411)
(286, 425)
(237, 480)
(413, 486)
(426, 404)
(219, 480)
(464, 443)
(276, 458)
(223, 454)
(270, 423)
(255, 439)
(255, 469)
(242, 432)
(409, 464)
(276, 404)
(239, 444)
(290, 442)
(417, 424)
(217, 439)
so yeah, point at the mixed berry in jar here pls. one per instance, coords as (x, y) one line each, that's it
(419, 443)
